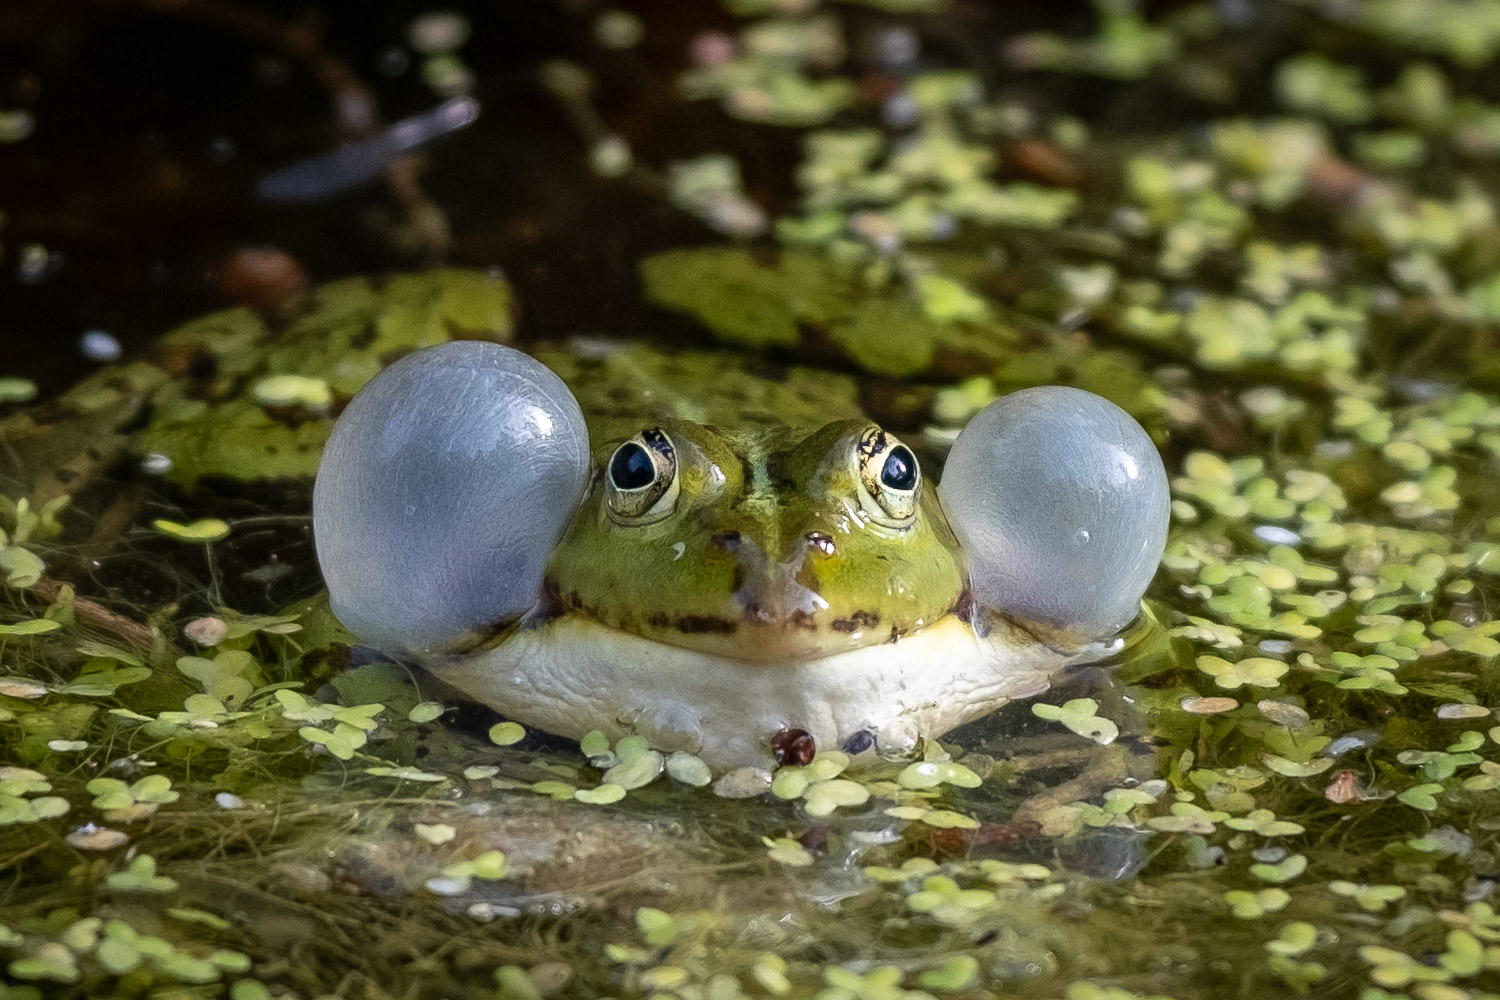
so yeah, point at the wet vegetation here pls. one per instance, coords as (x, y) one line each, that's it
(1267, 229)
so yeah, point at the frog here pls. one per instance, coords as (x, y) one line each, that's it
(711, 585)
(701, 626)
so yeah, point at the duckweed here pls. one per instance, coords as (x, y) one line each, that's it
(1311, 692)
(1079, 716)
(504, 734)
(209, 529)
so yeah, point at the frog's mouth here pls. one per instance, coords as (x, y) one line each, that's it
(761, 635)
(773, 612)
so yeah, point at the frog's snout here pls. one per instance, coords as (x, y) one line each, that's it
(776, 591)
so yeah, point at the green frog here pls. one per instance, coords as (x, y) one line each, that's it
(691, 545)
(707, 585)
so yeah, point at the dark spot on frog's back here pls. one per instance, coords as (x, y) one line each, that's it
(857, 622)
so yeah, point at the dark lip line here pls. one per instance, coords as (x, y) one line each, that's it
(554, 604)
(553, 608)
(664, 639)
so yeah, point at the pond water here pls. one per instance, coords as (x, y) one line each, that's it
(1267, 230)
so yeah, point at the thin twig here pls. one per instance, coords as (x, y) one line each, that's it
(98, 615)
(356, 111)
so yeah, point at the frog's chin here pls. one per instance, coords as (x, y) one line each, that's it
(574, 675)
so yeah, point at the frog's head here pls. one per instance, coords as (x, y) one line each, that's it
(457, 498)
(760, 544)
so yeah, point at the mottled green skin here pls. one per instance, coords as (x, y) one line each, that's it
(732, 569)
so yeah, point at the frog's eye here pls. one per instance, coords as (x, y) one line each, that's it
(442, 491)
(1060, 502)
(641, 478)
(889, 478)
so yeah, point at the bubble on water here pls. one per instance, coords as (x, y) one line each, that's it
(944, 226)
(611, 157)
(900, 110)
(1360, 739)
(897, 47)
(735, 215)
(96, 345)
(33, 262)
(1273, 534)
(154, 463)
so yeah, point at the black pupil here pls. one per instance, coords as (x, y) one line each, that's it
(631, 467)
(900, 470)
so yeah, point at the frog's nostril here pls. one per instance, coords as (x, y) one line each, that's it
(725, 541)
(820, 541)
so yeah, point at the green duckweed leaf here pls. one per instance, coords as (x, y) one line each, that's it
(49, 961)
(636, 770)
(1371, 898)
(1283, 871)
(103, 683)
(1423, 796)
(1079, 716)
(1254, 671)
(786, 851)
(22, 567)
(658, 928)
(141, 876)
(603, 795)
(504, 734)
(34, 626)
(292, 390)
(406, 774)
(1295, 939)
(823, 797)
(957, 973)
(1249, 905)
(688, 769)
(594, 743)
(209, 529)
(14, 389)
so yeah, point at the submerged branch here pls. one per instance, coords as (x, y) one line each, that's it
(98, 615)
(356, 110)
